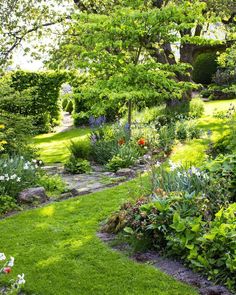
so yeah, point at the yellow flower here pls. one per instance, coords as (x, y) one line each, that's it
(3, 142)
(2, 126)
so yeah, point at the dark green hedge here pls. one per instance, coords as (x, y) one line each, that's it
(45, 88)
(204, 67)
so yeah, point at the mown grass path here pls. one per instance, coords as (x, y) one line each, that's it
(57, 248)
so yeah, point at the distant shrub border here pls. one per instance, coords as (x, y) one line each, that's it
(45, 107)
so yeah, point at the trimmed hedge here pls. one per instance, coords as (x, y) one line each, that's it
(45, 92)
(204, 68)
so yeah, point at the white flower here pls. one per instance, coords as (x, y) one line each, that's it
(173, 165)
(36, 166)
(21, 280)
(26, 167)
(2, 177)
(158, 164)
(2, 256)
(179, 174)
(5, 165)
(18, 179)
(14, 176)
(11, 262)
(34, 161)
(11, 160)
(147, 157)
(6, 175)
(22, 158)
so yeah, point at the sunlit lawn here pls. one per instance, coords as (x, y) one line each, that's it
(193, 152)
(58, 250)
(53, 147)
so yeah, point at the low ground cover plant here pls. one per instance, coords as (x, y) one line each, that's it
(189, 214)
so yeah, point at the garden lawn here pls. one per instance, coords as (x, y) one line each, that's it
(53, 147)
(194, 151)
(57, 249)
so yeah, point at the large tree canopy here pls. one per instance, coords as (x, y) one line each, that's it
(21, 18)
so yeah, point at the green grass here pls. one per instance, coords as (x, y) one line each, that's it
(57, 249)
(53, 147)
(194, 151)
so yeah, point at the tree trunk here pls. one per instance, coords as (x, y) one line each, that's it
(129, 117)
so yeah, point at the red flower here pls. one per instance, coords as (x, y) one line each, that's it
(121, 141)
(142, 141)
(7, 270)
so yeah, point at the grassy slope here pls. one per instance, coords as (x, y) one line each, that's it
(57, 249)
(194, 150)
(53, 147)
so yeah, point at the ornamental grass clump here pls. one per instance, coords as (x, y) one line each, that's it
(14, 285)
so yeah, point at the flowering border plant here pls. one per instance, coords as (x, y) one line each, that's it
(15, 284)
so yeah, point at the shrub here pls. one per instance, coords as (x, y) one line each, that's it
(64, 103)
(181, 131)
(7, 204)
(126, 157)
(204, 67)
(166, 138)
(193, 130)
(69, 107)
(15, 133)
(53, 184)
(80, 149)
(196, 108)
(77, 166)
(33, 95)
(102, 151)
(81, 119)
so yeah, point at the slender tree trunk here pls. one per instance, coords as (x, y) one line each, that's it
(129, 117)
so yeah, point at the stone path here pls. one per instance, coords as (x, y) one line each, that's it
(81, 184)
(66, 124)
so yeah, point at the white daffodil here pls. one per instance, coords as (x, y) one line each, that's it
(14, 176)
(2, 257)
(21, 279)
(11, 262)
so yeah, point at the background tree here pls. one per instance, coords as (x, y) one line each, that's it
(116, 50)
(20, 19)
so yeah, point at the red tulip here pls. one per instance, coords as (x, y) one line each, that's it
(7, 270)
(141, 141)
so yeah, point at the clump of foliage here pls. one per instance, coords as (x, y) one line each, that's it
(16, 174)
(224, 86)
(204, 67)
(7, 204)
(15, 132)
(69, 107)
(190, 214)
(77, 165)
(53, 184)
(126, 157)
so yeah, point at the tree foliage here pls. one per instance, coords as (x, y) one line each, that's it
(20, 19)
